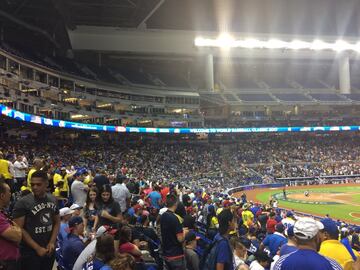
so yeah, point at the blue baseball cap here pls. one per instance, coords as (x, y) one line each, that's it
(76, 220)
(330, 226)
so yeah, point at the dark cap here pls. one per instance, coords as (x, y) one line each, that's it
(191, 236)
(76, 220)
(280, 227)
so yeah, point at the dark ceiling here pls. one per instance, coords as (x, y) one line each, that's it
(52, 18)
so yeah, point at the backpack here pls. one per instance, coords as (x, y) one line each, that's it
(208, 260)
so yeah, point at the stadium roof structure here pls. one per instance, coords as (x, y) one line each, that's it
(316, 18)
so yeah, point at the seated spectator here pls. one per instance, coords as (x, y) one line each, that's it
(105, 252)
(262, 261)
(73, 245)
(65, 215)
(89, 252)
(76, 208)
(122, 262)
(126, 246)
(239, 253)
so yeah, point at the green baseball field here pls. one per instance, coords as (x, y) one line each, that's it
(339, 201)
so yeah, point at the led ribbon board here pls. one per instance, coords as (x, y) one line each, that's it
(20, 116)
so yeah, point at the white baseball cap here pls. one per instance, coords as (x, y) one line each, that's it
(75, 207)
(306, 228)
(65, 211)
(105, 229)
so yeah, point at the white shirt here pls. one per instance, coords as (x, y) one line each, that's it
(120, 193)
(85, 255)
(78, 191)
(256, 266)
(19, 169)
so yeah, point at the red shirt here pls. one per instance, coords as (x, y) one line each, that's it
(8, 250)
(164, 192)
(129, 248)
(270, 225)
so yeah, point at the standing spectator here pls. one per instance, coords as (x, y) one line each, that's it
(73, 245)
(20, 168)
(275, 241)
(191, 257)
(247, 216)
(172, 235)
(291, 245)
(224, 257)
(212, 223)
(6, 170)
(62, 176)
(38, 164)
(90, 211)
(38, 216)
(307, 233)
(10, 232)
(79, 189)
(331, 247)
(109, 212)
(121, 193)
(101, 179)
(271, 223)
(155, 197)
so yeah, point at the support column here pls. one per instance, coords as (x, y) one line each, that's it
(209, 72)
(344, 74)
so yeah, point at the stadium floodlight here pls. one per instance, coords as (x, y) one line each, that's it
(275, 44)
(319, 45)
(227, 41)
(298, 45)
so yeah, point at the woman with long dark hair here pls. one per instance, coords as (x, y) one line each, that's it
(109, 211)
(90, 211)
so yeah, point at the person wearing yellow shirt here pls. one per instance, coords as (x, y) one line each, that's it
(62, 176)
(212, 223)
(37, 166)
(247, 216)
(331, 247)
(5, 168)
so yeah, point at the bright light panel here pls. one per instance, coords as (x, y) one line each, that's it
(226, 41)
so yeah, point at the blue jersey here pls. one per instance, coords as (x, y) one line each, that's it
(306, 259)
(274, 242)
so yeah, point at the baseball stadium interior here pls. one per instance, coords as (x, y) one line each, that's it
(179, 134)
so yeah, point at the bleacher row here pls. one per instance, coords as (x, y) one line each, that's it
(133, 72)
(281, 97)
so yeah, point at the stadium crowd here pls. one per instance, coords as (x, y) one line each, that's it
(141, 206)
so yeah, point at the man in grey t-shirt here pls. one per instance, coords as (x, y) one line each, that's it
(79, 189)
(121, 193)
(38, 217)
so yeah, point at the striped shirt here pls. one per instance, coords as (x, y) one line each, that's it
(306, 259)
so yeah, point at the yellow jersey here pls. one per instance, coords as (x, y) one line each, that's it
(335, 250)
(4, 169)
(29, 177)
(58, 177)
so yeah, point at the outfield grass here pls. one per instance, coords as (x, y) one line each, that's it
(337, 211)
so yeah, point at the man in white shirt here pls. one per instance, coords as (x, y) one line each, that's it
(20, 168)
(121, 193)
(79, 189)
